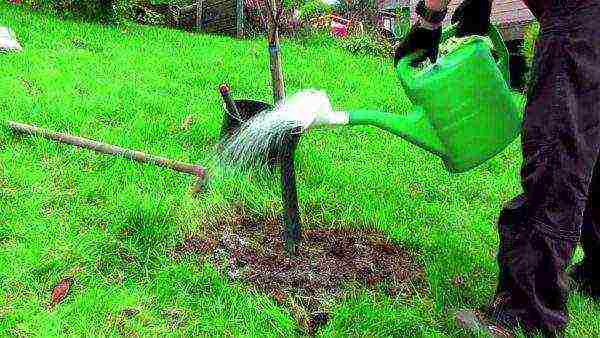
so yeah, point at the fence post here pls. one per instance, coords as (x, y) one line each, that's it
(199, 6)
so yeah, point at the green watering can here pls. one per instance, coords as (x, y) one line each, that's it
(464, 111)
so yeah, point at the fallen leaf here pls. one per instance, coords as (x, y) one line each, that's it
(458, 281)
(129, 312)
(279, 296)
(61, 291)
(187, 122)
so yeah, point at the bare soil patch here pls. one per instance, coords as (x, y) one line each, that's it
(328, 262)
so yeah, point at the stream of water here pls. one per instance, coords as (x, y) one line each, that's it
(251, 143)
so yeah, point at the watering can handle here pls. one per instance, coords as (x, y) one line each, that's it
(499, 46)
(494, 35)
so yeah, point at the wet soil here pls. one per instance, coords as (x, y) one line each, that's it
(326, 264)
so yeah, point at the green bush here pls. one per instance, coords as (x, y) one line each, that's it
(291, 4)
(403, 24)
(151, 12)
(528, 49)
(310, 37)
(146, 11)
(529, 39)
(368, 45)
(171, 2)
(365, 11)
(314, 9)
(125, 9)
(92, 10)
(346, 6)
(365, 44)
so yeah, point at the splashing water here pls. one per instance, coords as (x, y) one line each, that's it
(251, 144)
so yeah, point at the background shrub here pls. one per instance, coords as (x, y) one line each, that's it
(312, 9)
(150, 12)
(528, 49)
(403, 24)
(360, 44)
(368, 44)
(370, 40)
(529, 39)
(364, 11)
(255, 22)
(91, 10)
(153, 12)
(311, 37)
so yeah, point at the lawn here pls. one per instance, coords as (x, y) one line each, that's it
(113, 224)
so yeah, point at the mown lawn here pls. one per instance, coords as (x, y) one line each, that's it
(112, 223)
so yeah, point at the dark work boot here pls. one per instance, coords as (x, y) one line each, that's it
(582, 279)
(493, 320)
(499, 321)
(478, 322)
(498, 325)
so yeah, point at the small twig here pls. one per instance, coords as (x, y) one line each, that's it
(264, 9)
(271, 13)
(278, 17)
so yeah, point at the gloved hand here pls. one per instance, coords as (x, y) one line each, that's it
(420, 38)
(472, 17)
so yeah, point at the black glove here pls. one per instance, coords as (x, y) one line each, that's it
(419, 39)
(473, 17)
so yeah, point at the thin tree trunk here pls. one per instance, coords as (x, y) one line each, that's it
(288, 175)
(276, 70)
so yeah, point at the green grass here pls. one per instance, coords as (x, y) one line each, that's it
(112, 223)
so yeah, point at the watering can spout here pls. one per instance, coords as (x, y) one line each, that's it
(413, 127)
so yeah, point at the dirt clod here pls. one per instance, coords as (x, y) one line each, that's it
(278, 296)
(175, 317)
(326, 264)
(458, 281)
(318, 320)
(129, 312)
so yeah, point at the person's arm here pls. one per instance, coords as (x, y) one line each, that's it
(442, 5)
(431, 13)
(437, 5)
(473, 16)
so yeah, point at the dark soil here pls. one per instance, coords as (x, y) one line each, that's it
(325, 265)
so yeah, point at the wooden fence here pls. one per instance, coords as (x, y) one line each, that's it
(212, 16)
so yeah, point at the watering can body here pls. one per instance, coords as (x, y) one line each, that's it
(464, 110)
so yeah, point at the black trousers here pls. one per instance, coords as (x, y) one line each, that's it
(560, 204)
